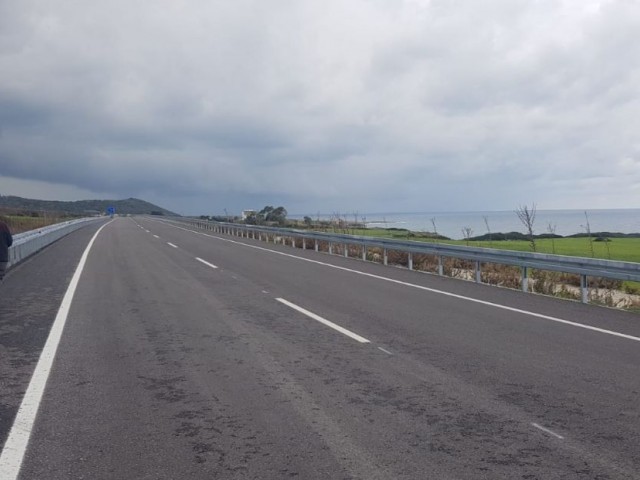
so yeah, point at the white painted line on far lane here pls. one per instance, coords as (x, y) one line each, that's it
(156, 236)
(324, 321)
(18, 439)
(427, 289)
(546, 430)
(172, 245)
(385, 351)
(205, 262)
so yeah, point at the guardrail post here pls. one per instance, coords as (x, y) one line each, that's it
(478, 272)
(330, 248)
(304, 243)
(346, 250)
(385, 257)
(316, 245)
(525, 279)
(440, 266)
(293, 242)
(584, 289)
(364, 252)
(410, 261)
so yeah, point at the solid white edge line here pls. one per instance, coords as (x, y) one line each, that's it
(16, 445)
(546, 430)
(324, 321)
(205, 262)
(428, 289)
(172, 245)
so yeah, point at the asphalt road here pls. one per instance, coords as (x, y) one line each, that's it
(187, 355)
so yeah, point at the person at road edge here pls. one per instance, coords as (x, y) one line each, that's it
(6, 240)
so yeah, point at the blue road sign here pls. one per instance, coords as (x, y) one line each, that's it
(111, 210)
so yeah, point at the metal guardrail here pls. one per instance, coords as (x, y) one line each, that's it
(27, 243)
(585, 267)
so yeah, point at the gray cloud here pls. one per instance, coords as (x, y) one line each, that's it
(361, 105)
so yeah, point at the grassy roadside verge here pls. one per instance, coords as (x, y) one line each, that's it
(23, 223)
(623, 249)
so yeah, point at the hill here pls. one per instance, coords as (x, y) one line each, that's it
(82, 207)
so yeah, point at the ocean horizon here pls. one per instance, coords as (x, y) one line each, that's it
(450, 224)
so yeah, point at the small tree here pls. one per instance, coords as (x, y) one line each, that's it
(435, 228)
(587, 227)
(278, 215)
(551, 228)
(467, 233)
(486, 222)
(528, 218)
(308, 221)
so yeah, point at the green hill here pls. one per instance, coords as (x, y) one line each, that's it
(82, 207)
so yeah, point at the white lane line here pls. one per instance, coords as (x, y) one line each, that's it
(546, 430)
(385, 351)
(205, 262)
(172, 245)
(18, 439)
(147, 230)
(324, 321)
(264, 291)
(156, 236)
(427, 289)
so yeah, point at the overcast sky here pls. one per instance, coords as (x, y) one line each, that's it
(325, 105)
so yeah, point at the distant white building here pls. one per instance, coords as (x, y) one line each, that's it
(247, 213)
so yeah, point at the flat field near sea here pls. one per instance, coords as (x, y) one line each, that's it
(624, 249)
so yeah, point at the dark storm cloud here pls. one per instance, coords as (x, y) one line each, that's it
(369, 105)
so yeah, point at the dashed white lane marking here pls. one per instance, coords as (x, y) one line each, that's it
(324, 321)
(385, 351)
(172, 245)
(205, 262)
(420, 287)
(264, 291)
(156, 236)
(546, 430)
(18, 439)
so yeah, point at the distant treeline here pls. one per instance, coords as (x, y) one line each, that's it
(81, 207)
(521, 236)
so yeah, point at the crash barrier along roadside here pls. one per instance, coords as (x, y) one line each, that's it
(584, 267)
(27, 243)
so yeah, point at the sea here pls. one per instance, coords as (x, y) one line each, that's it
(451, 224)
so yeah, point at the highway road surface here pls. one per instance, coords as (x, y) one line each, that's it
(166, 352)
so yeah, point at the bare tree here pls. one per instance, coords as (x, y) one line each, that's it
(435, 229)
(587, 227)
(467, 233)
(528, 218)
(551, 228)
(486, 222)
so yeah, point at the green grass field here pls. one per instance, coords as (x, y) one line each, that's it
(625, 249)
